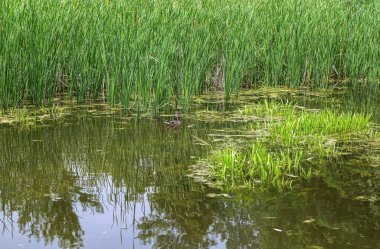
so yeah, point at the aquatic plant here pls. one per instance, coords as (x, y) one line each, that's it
(294, 149)
(155, 54)
(32, 116)
(318, 130)
(257, 166)
(269, 108)
(324, 122)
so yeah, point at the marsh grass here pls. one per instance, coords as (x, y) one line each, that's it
(158, 54)
(297, 145)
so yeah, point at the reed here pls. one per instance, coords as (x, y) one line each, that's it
(153, 54)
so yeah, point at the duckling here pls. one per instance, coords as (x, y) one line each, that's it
(175, 122)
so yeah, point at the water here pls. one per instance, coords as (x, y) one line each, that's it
(107, 181)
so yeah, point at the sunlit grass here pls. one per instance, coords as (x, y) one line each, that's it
(324, 122)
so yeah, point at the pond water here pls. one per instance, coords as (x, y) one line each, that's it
(108, 181)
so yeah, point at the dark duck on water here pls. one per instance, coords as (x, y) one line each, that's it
(175, 122)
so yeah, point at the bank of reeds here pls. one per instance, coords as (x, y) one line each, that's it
(150, 54)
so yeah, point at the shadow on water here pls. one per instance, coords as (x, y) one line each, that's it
(114, 182)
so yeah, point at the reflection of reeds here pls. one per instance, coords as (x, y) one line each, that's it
(94, 163)
(159, 51)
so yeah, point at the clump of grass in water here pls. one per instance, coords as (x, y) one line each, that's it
(257, 166)
(317, 130)
(324, 122)
(282, 158)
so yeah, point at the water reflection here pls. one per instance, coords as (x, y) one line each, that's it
(51, 174)
(113, 182)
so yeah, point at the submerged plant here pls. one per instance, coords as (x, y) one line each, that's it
(24, 116)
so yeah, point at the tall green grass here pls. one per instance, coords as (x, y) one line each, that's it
(151, 54)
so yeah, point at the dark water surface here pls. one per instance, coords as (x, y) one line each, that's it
(112, 182)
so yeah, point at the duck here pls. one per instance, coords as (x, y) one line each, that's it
(175, 122)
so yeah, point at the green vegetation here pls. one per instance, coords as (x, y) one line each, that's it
(298, 141)
(151, 54)
(31, 116)
(257, 165)
(269, 109)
